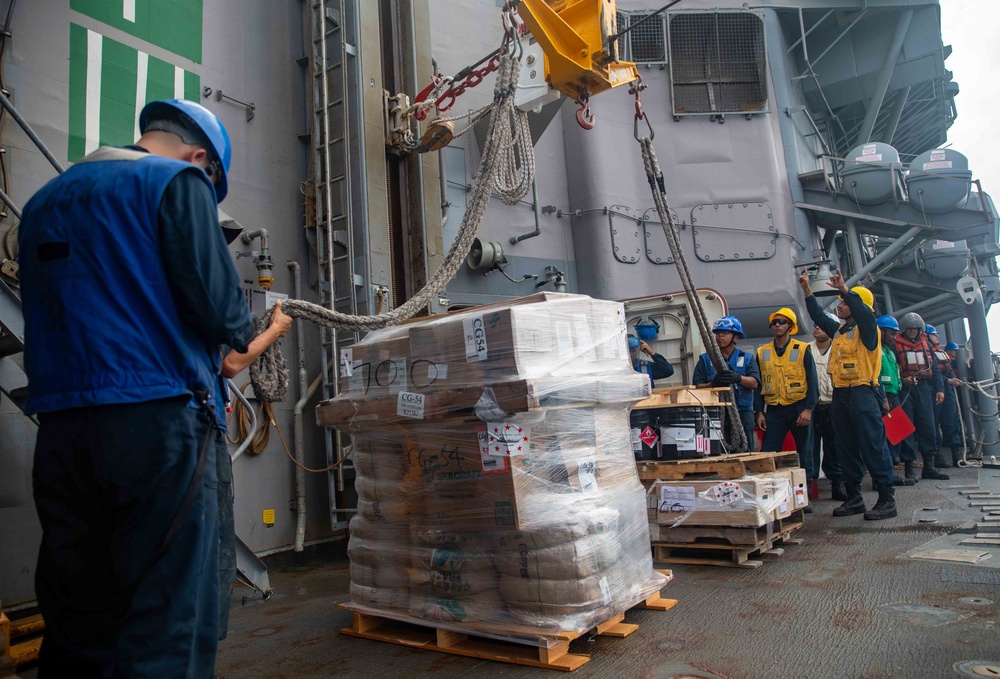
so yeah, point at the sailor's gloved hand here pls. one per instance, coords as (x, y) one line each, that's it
(725, 378)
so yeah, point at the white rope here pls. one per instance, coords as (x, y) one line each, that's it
(508, 130)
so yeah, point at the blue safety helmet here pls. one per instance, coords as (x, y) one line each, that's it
(930, 329)
(951, 346)
(887, 322)
(203, 128)
(633, 343)
(729, 323)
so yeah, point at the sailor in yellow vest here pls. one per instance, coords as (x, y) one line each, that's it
(788, 390)
(855, 366)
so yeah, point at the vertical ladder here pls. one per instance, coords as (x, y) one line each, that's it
(335, 241)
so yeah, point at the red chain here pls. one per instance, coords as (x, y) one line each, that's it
(447, 100)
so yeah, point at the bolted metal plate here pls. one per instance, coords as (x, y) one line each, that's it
(923, 615)
(733, 231)
(626, 234)
(657, 248)
(977, 668)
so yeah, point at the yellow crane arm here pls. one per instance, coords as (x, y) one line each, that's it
(574, 34)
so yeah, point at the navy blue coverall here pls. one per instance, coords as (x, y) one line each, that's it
(109, 480)
(856, 412)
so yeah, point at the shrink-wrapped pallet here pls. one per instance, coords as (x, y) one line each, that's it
(496, 481)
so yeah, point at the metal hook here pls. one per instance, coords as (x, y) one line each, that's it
(584, 117)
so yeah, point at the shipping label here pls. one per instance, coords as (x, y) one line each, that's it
(475, 339)
(726, 493)
(588, 474)
(410, 404)
(347, 362)
(676, 499)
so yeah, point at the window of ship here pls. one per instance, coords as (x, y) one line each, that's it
(718, 63)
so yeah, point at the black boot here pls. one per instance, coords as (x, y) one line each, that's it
(909, 471)
(837, 491)
(900, 481)
(941, 460)
(956, 456)
(930, 472)
(855, 504)
(885, 508)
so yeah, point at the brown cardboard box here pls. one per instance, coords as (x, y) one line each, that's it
(779, 488)
(669, 501)
(375, 369)
(567, 336)
(800, 489)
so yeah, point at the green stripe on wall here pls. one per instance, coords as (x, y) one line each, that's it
(160, 80)
(174, 25)
(118, 76)
(114, 112)
(192, 86)
(77, 92)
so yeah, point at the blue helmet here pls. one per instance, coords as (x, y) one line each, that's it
(633, 343)
(887, 322)
(951, 346)
(729, 323)
(930, 329)
(193, 118)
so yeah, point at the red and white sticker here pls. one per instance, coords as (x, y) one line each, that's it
(726, 493)
(648, 436)
(508, 439)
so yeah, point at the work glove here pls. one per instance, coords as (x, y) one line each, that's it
(725, 378)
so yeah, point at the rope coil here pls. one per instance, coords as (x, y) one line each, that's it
(508, 161)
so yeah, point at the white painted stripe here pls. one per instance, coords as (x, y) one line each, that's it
(178, 82)
(95, 49)
(128, 10)
(142, 68)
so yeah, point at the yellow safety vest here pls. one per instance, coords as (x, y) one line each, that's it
(783, 378)
(852, 364)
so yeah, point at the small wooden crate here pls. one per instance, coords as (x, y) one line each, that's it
(523, 647)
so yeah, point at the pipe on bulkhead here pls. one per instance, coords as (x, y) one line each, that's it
(304, 394)
(538, 216)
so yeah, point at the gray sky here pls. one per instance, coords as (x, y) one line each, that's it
(970, 27)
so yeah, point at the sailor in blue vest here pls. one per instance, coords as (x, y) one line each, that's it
(129, 291)
(658, 368)
(743, 374)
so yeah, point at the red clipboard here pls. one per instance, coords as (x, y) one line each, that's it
(897, 425)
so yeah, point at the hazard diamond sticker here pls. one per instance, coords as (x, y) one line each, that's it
(648, 436)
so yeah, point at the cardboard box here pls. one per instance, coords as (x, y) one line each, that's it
(376, 369)
(564, 337)
(739, 502)
(800, 489)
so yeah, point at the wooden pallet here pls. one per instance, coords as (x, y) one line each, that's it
(674, 397)
(22, 637)
(715, 547)
(723, 467)
(737, 536)
(550, 651)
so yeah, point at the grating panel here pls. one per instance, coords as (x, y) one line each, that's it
(718, 63)
(647, 43)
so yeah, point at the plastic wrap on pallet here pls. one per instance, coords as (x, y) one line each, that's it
(755, 500)
(497, 490)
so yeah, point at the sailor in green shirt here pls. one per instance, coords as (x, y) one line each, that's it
(891, 384)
